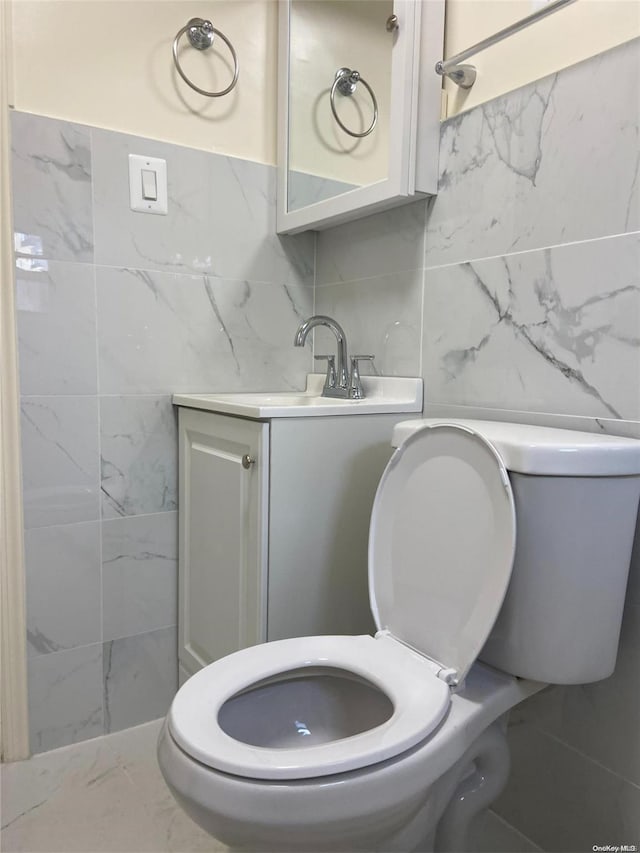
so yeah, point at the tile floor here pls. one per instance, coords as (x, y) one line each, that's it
(107, 795)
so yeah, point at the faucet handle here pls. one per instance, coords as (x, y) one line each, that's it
(355, 385)
(330, 380)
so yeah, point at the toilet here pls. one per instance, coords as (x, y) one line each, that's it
(498, 560)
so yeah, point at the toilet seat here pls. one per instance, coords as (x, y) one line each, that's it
(442, 542)
(410, 681)
(441, 549)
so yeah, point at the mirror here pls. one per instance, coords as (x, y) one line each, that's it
(356, 89)
(324, 159)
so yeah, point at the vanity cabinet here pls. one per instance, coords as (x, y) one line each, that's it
(274, 522)
(222, 536)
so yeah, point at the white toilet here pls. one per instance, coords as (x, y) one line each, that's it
(502, 543)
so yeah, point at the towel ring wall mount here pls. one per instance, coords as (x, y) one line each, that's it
(345, 82)
(201, 34)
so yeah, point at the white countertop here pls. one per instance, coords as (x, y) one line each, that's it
(384, 395)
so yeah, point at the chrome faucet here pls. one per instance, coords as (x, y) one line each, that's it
(339, 382)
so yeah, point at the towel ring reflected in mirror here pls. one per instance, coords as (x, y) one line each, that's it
(346, 82)
(201, 34)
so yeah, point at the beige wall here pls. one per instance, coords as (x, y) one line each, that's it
(581, 30)
(108, 63)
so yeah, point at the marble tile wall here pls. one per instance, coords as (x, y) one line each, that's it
(521, 292)
(116, 311)
(369, 276)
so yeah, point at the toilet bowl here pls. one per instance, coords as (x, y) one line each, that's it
(369, 743)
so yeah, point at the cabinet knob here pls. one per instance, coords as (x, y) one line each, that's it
(247, 461)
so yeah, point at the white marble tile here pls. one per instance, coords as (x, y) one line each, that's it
(56, 316)
(607, 426)
(243, 227)
(381, 244)
(140, 678)
(601, 719)
(139, 449)
(135, 750)
(221, 217)
(139, 574)
(63, 587)
(553, 162)
(51, 188)
(160, 333)
(60, 460)
(381, 316)
(29, 785)
(553, 330)
(92, 808)
(490, 834)
(258, 323)
(106, 794)
(563, 801)
(65, 697)
(177, 241)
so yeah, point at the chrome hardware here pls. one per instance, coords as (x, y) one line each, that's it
(340, 388)
(392, 23)
(339, 381)
(465, 75)
(462, 75)
(330, 380)
(200, 34)
(247, 461)
(355, 385)
(345, 82)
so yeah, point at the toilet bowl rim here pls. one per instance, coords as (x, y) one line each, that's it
(419, 698)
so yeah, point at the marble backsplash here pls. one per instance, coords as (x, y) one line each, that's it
(517, 287)
(116, 311)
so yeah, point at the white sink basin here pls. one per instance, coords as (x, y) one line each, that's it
(384, 394)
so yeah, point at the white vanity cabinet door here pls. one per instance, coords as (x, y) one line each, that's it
(223, 535)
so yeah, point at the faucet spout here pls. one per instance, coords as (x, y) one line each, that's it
(342, 376)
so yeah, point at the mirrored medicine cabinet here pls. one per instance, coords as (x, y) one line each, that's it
(358, 108)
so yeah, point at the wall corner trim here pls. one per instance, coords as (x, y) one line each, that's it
(14, 734)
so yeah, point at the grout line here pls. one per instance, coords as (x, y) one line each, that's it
(532, 250)
(186, 273)
(514, 830)
(99, 437)
(99, 644)
(141, 515)
(393, 274)
(481, 409)
(189, 273)
(141, 634)
(101, 521)
(422, 336)
(134, 394)
(586, 757)
(423, 305)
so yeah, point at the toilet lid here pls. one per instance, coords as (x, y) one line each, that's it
(441, 544)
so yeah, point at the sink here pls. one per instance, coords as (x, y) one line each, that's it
(384, 394)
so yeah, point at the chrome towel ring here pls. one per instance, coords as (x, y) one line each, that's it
(345, 83)
(201, 34)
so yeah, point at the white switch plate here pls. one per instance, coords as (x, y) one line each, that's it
(136, 165)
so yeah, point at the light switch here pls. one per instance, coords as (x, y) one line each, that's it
(148, 184)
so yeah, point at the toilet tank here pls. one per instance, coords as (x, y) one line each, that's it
(576, 499)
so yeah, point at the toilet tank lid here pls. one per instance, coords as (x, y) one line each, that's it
(545, 451)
